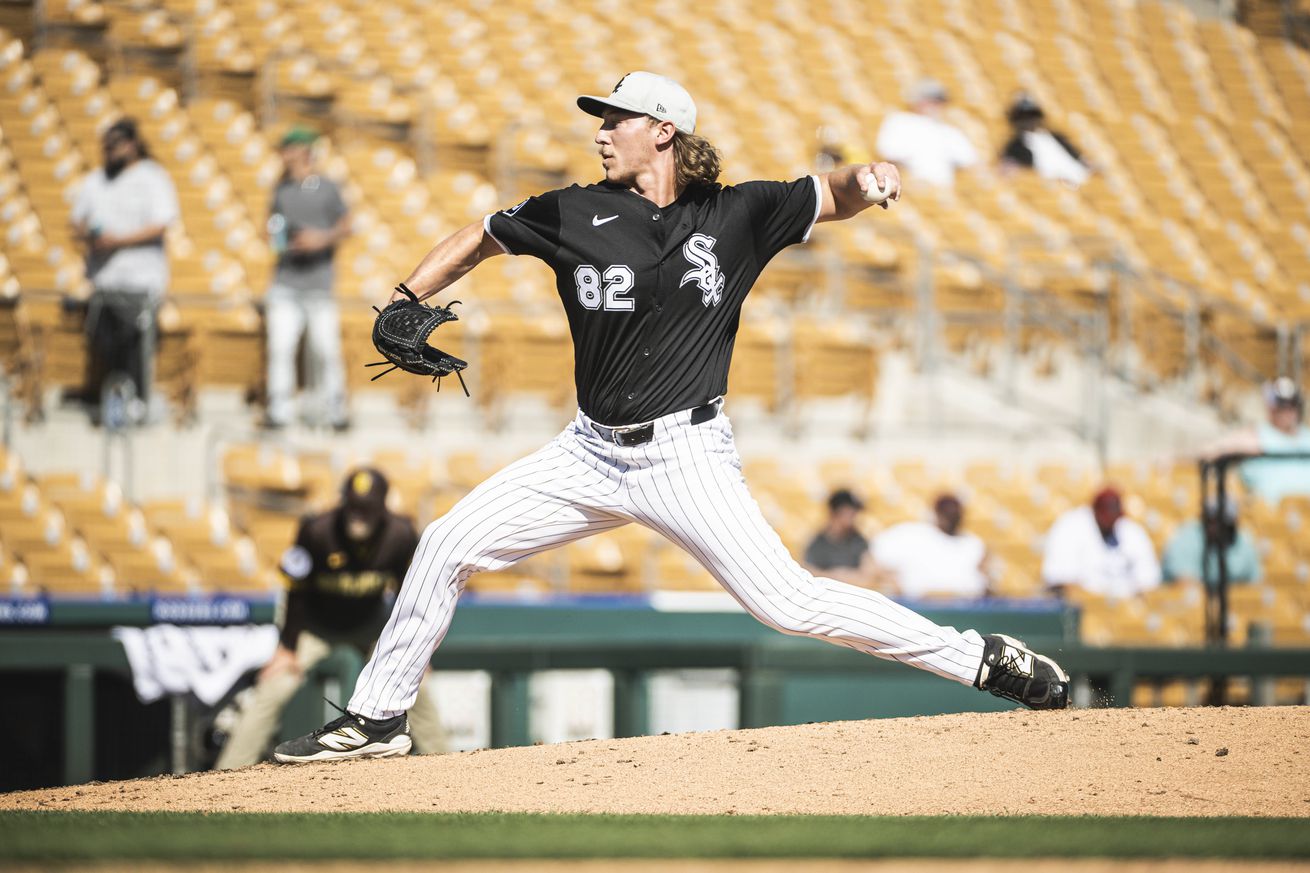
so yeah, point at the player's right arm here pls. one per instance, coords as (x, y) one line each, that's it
(450, 259)
(842, 190)
(530, 228)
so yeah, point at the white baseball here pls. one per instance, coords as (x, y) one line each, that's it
(874, 194)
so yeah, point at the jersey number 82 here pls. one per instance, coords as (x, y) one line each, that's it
(608, 292)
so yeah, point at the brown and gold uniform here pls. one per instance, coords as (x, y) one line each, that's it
(335, 586)
(338, 572)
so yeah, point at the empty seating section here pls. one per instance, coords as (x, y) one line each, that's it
(74, 536)
(439, 113)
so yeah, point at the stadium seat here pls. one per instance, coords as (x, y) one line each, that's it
(834, 360)
(521, 355)
(675, 570)
(69, 570)
(601, 564)
(758, 368)
(437, 114)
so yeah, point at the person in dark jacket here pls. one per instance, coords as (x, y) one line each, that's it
(342, 563)
(1035, 147)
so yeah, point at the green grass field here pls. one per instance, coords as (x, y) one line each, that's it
(177, 836)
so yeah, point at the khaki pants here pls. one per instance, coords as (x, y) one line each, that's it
(249, 740)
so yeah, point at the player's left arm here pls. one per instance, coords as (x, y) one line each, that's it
(843, 189)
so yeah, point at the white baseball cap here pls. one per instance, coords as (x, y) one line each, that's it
(649, 94)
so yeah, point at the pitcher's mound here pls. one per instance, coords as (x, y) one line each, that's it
(1221, 761)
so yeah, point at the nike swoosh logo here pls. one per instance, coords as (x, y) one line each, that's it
(597, 221)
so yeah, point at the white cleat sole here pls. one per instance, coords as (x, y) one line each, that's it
(397, 747)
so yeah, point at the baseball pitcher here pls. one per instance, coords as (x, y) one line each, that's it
(652, 265)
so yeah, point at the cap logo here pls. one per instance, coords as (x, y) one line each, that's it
(619, 85)
(659, 107)
(361, 483)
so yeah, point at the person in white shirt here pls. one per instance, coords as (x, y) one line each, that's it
(1034, 147)
(120, 216)
(1096, 548)
(926, 148)
(934, 560)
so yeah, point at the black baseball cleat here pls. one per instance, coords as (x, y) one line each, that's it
(348, 736)
(1013, 671)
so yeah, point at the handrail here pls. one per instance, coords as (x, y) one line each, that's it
(1214, 472)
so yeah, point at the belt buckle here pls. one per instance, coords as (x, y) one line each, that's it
(621, 434)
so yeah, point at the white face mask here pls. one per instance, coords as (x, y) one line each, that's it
(358, 529)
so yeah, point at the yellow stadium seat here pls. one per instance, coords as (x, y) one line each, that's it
(757, 372)
(675, 570)
(523, 355)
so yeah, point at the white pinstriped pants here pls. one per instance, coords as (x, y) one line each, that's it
(685, 484)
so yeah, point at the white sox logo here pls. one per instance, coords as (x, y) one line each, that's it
(707, 274)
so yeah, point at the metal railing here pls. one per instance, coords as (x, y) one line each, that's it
(762, 666)
(1214, 497)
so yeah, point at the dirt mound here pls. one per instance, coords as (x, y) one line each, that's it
(1223, 761)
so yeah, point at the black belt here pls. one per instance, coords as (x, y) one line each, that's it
(640, 434)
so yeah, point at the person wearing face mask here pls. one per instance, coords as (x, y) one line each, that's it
(342, 563)
(120, 217)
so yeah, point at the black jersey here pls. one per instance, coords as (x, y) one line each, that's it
(653, 295)
(335, 583)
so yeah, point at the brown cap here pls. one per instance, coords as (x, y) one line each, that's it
(364, 494)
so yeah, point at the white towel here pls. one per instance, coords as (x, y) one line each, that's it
(206, 661)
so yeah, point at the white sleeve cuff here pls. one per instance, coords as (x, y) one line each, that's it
(818, 204)
(486, 227)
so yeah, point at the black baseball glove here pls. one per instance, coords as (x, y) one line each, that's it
(401, 334)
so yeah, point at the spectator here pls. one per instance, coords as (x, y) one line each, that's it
(1096, 548)
(840, 551)
(120, 215)
(337, 571)
(926, 148)
(307, 219)
(1034, 147)
(939, 559)
(1185, 553)
(1284, 432)
(832, 149)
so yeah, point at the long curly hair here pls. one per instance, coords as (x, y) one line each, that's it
(697, 161)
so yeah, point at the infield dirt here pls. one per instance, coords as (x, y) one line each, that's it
(674, 865)
(1167, 762)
